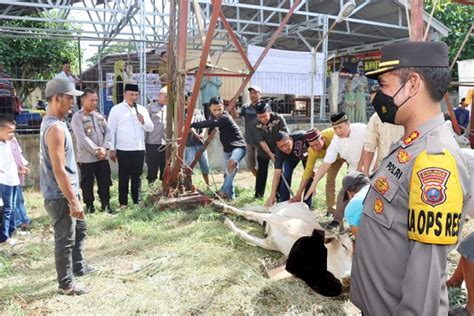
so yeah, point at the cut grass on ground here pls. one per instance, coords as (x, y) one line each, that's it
(166, 262)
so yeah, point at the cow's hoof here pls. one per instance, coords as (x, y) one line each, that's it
(222, 218)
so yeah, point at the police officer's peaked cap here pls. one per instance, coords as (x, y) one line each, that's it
(411, 54)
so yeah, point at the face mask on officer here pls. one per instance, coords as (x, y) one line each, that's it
(385, 105)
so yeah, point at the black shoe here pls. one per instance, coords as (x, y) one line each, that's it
(86, 270)
(332, 225)
(107, 209)
(90, 209)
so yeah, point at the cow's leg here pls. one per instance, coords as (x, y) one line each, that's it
(252, 240)
(251, 216)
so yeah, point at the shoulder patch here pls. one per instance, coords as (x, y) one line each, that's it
(436, 199)
(410, 139)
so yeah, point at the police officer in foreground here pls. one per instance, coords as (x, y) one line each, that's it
(92, 142)
(413, 211)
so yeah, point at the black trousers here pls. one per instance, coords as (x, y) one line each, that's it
(130, 167)
(99, 170)
(155, 159)
(262, 175)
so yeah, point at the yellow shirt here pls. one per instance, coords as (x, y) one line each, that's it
(314, 155)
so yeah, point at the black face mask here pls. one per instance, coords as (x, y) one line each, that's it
(385, 105)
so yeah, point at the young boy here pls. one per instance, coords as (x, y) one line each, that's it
(9, 179)
(232, 141)
(22, 220)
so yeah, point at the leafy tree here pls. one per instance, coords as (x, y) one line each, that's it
(38, 57)
(115, 48)
(458, 18)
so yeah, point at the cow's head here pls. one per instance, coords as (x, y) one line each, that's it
(340, 250)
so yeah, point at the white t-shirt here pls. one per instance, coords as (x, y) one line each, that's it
(349, 148)
(8, 169)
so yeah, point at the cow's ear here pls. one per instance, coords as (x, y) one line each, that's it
(329, 239)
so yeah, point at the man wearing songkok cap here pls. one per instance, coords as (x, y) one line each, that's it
(249, 113)
(414, 210)
(128, 122)
(291, 149)
(346, 144)
(59, 184)
(267, 128)
(378, 138)
(318, 143)
(155, 153)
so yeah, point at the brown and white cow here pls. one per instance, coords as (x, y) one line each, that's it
(285, 223)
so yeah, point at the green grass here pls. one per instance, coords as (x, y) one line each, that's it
(165, 262)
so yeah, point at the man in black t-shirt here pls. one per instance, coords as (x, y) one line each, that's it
(291, 149)
(232, 141)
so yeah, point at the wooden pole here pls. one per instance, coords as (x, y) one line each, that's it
(417, 23)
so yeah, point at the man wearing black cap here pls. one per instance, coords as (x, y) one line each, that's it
(416, 203)
(128, 122)
(268, 126)
(291, 149)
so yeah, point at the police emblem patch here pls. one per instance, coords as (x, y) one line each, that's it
(381, 185)
(403, 156)
(378, 206)
(410, 139)
(433, 185)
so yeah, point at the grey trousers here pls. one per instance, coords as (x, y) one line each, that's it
(69, 239)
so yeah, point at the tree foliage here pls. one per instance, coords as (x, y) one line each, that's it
(115, 48)
(458, 18)
(38, 57)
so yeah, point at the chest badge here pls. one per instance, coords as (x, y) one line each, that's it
(410, 139)
(403, 156)
(381, 185)
(378, 206)
(433, 185)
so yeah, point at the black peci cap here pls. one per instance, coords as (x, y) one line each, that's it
(262, 107)
(131, 87)
(411, 54)
(338, 118)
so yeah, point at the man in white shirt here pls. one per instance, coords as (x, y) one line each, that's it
(67, 74)
(347, 143)
(128, 122)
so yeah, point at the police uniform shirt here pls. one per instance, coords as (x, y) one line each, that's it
(91, 132)
(410, 222)
(128, 134)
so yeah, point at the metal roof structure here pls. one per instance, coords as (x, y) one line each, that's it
(371, 24)
(145, 23)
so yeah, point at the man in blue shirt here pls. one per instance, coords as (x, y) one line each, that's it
(356, 185)
(462, 115)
